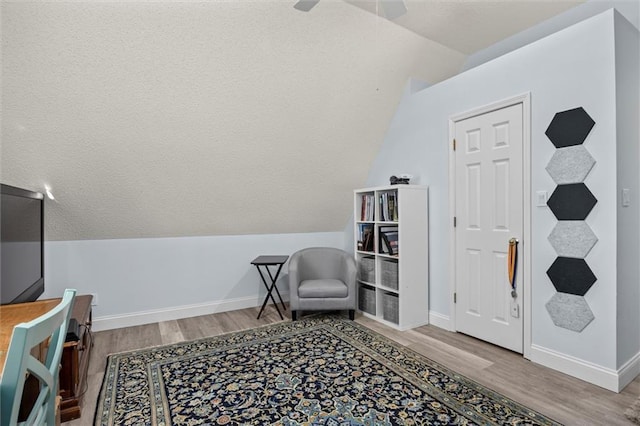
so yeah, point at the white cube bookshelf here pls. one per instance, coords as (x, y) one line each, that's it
(391, 249)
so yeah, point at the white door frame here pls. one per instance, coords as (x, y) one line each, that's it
(524, 252)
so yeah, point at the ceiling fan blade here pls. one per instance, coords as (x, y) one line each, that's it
(305, 5)
(393, 8)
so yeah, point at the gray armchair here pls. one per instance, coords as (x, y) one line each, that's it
(322, 278)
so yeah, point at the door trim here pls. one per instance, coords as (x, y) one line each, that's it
(525, 245)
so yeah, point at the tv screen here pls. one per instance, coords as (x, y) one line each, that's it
(22, 243)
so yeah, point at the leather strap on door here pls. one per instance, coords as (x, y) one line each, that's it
(512, 262)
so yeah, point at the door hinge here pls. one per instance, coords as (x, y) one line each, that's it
(455, 298)
(454, 144)
(455, 221)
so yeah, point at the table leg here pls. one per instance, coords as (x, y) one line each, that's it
(263, 305)
(269, 293)
(273, 280)
(270, 290)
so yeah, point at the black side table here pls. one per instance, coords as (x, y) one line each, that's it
(267, 261)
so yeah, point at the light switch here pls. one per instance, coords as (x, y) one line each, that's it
(541, 198)
(626, 197)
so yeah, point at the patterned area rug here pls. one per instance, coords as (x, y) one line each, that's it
(318, 371)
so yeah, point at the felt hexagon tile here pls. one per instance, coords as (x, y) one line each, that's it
(569, 311)
(572, 238)
(570, 165)
(572, 276)
(569, 127)
(571, 202)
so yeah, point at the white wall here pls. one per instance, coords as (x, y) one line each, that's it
(390, 159)
(409, 148)
(628, 137)
(554, 71)
(574, 67)
(152, 279)
(630, 9)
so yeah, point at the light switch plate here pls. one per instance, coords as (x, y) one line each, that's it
(626, 197)
(541, 198)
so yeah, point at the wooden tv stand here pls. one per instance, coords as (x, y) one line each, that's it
(75, 361)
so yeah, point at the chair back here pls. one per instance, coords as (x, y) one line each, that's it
(321, 263)
(52, 328)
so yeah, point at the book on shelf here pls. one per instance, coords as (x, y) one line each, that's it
(366, 207)
(393, 207)
(389, 240)
(389, 206)
(393, 242)
(385, 245)
(365, 237)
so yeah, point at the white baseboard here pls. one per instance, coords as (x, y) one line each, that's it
(629, 371)
(439, 320)
(613, 380)
(111, 322)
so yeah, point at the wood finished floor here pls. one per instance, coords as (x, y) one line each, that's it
(561, 397)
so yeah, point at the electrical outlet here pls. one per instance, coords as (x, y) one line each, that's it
(515, 309)
(94, 301)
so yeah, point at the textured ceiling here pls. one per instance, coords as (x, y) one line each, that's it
(200, 118)
(187, 118)
(470, 25)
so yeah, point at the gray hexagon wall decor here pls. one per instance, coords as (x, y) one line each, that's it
(572, 238)
(571, 203)
(569, 311)
(570, 165)
(569, 127)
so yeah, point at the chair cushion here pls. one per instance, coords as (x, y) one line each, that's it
(319, 289)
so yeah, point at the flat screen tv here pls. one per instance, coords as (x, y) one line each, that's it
(22, 245)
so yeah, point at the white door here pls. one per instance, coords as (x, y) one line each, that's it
(489, 212)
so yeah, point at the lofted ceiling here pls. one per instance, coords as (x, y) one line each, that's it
(185, 118)
(470, 25)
